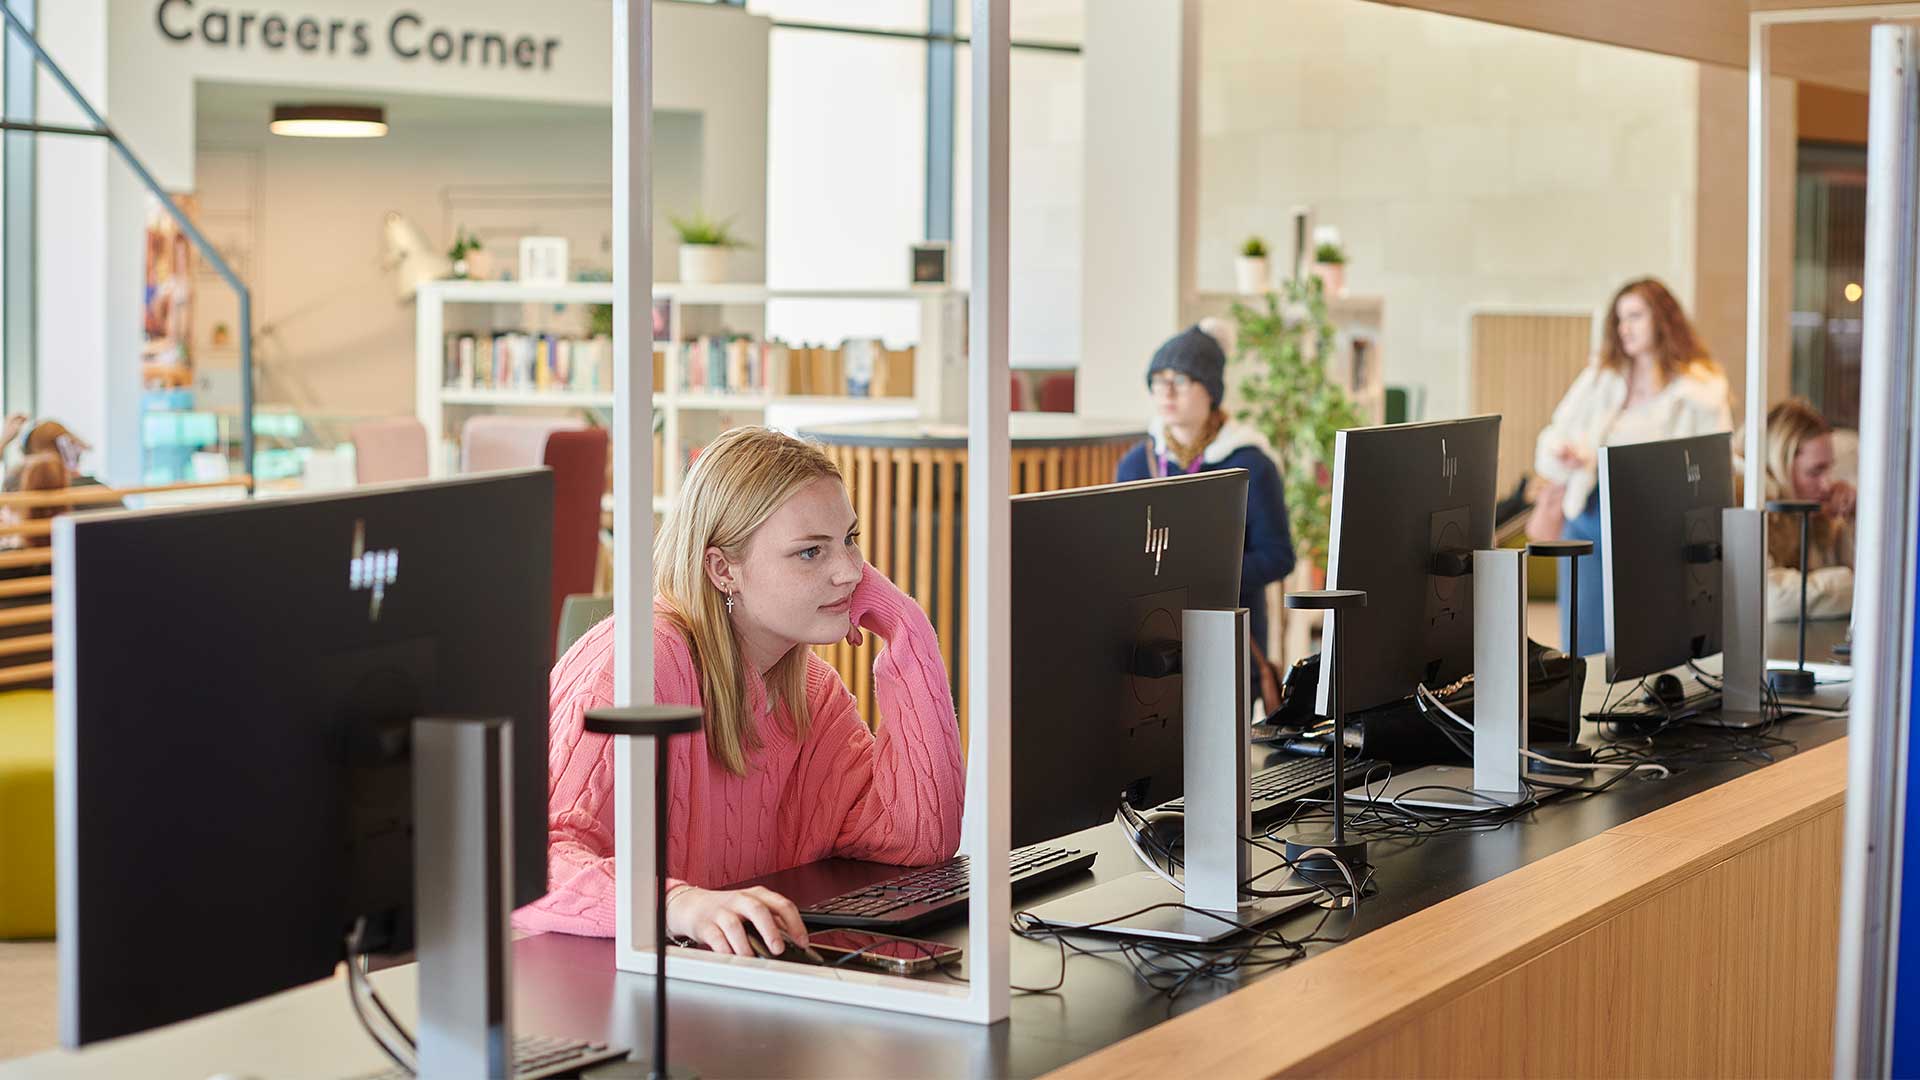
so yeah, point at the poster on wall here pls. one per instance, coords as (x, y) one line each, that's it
(166, 354)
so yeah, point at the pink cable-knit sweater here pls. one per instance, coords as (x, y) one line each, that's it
(895, 796)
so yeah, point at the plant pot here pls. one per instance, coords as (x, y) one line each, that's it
(1333, 277)
(1250, 275)
(703, 264)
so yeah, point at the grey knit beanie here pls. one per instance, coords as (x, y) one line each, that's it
(1194, 353)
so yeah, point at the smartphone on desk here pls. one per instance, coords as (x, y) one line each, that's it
(888, 953)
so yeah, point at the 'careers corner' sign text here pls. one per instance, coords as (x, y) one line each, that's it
(406, 35)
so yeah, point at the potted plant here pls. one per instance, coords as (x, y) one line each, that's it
(1288, 397)
(468, 255)
(704, 244)
(1250, 269)
(1330, 266)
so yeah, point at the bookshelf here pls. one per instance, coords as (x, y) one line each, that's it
(686, 412)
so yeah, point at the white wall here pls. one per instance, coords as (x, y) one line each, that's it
(1465, 164)
(1046, 146)
(145, 81)
(337, 337)
(1138, 239)
(71, 261)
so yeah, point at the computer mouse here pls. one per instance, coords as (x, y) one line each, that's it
(795, 952)
(1667, 689)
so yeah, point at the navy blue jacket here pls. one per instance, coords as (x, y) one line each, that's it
(1268, 555)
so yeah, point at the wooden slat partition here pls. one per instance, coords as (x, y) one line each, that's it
(26, 643)
(912, 506)
(31, 586)
(1522, 363)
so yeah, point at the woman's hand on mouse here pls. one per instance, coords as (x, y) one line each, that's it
(718, 918)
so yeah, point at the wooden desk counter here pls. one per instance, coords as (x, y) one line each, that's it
(1698, 940)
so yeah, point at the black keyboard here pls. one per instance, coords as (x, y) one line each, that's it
(1275, 788)
(537, 1057)
(920, 894)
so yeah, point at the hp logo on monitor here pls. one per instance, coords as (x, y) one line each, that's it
(1156, 541)
(1693, 472)
(1449, 466)
(371, 570)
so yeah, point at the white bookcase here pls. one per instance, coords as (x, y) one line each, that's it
(938, 376)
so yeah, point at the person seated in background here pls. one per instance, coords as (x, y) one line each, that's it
(1189, 433)
(1800, 466)
(40, 466)
(1651, 380)
(38, 472)
(49, 438)
(757, 561)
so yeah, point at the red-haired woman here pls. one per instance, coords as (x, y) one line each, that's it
(1652, 379)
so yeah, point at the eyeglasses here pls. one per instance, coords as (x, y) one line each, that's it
(1176, 381)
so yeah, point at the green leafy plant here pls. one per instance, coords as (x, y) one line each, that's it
(1289, 398)
(599, 316)
(698, 229)
(464, 243)
(1329, 255)
(1254, 248)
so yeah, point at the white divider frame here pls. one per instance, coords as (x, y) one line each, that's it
(1759, 117)
(1880, 744)
(989, 772)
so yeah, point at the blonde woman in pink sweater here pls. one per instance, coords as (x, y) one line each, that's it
(758, 560)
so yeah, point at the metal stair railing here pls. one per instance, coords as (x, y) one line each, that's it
(102, 130)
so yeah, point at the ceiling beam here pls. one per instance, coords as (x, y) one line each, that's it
(1709, 31)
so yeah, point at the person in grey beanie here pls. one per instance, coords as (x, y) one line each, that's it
(1190, 433)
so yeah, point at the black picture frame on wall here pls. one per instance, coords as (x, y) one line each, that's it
(929, 263)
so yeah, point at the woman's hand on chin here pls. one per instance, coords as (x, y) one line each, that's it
(718, 918)
(875, 600)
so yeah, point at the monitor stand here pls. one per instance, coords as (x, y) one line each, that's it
(1495, 781)
(463, 897)
(1743, 617)
(1218, 817)
(463, 894)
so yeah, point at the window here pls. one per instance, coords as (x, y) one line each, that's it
(907, 15)
(846, 178)
(1044, 139)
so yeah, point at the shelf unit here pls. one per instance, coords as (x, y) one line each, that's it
(1359, 325)
(939, 361)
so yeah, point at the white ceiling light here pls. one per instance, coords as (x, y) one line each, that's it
(329, 121)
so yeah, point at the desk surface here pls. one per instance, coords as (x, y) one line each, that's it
(567, 986)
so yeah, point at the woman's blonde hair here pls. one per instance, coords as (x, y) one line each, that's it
(737, 483)
(1791, 425)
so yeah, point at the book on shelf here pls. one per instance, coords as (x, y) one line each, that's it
(513, 360)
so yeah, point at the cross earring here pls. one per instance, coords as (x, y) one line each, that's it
(729, 601)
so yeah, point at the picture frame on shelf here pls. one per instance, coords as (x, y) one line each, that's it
(543, 260)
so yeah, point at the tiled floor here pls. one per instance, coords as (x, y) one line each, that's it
(29, 1006)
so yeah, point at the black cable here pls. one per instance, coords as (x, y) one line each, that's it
(355, 937)
(379, 1003)
(1170, 969)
